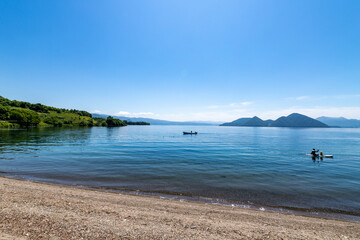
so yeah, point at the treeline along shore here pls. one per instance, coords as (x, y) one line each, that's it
(17, 114)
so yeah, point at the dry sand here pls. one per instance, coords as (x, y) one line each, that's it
(31, 210)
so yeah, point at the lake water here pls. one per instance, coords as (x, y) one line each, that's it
(264, 168)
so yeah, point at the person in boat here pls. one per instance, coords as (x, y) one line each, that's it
(314, 153)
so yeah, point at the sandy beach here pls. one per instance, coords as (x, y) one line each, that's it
(30, 210)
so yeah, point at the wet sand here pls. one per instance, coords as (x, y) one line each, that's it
(30, 210)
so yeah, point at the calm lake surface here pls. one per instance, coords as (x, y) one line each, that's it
(264, 168)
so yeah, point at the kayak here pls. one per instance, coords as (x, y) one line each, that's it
(317, 155)
(191, 133)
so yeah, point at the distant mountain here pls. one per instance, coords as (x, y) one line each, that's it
(297, 120)
(238, 122)
(247, 122)
(293, 120)
(340, 122)
(156, 121)
(268, 122)
(256, 122)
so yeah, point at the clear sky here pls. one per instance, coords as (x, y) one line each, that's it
(184, 60)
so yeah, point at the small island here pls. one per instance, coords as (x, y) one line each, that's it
(293, 120)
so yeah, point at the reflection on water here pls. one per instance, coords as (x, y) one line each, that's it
(30, 140)
(264, 166)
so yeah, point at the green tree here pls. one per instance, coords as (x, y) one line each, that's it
(4, 113)
(24, 117)
(113, 122)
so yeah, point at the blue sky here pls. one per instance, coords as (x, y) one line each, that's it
(184, 60)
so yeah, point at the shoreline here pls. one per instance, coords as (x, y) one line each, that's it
(325, 213)
(36, 210)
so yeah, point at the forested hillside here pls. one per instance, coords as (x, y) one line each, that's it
(24, 114)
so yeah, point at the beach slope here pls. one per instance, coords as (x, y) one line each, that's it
(30, 210)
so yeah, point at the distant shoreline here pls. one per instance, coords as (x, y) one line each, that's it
(34, 210)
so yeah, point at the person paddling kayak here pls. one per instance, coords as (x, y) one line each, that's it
(314, 153)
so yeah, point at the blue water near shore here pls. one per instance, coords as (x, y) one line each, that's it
(253, 167)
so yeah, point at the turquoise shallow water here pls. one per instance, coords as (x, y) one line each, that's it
(261, 167)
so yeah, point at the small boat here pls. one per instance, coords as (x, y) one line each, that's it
(191, 133)
(321, 156)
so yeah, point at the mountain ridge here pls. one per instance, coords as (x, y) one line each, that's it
(154, 121)
(340, 122)
(292, 120)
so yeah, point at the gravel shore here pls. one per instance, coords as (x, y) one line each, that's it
(30, 210)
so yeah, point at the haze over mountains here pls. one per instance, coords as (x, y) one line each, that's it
(340, 122)
(157, 121)
(293, 120)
